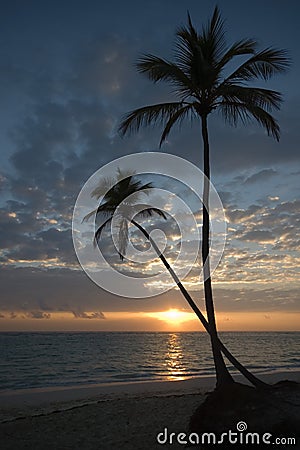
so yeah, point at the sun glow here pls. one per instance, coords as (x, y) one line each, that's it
(173, 316)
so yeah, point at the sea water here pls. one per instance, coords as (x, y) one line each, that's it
(42, 359)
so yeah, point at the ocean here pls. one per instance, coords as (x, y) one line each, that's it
(42, 359)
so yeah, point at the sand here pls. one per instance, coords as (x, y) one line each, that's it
(119, 416)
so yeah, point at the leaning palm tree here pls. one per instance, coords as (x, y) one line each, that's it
(201, 85)
(121, 200)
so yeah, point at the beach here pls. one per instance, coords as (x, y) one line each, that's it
(107, 416)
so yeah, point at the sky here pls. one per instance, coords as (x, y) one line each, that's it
(67, 78)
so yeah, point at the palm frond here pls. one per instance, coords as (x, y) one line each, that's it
(214, 37)
(192, 30)
(148, 115)
(234, 111)
(179, 115)
(197, 55)
(241, 47)
(103, 208)
(124, 174)
(263, 64)
(189, 56)
(117, 200)
(126, 191)
(158, 69)
(149, 211)
(89, 215)
(99, 231)
(264, 98)
(123, 238)
(102, 187)
(265, 119)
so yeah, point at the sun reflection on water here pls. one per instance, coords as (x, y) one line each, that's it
(176, 370)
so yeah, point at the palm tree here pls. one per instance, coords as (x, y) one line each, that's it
(201, 86)
(121, 195)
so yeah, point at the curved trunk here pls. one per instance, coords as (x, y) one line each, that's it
(223, 375)
(248, 375)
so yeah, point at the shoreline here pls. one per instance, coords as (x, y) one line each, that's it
(24, 402)
(125, 415)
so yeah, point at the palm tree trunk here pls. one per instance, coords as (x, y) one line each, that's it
(223, 375)
(248, 375)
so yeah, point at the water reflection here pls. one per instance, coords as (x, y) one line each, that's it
(176, 370)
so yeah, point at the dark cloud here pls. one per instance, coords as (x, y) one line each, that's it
(260, 176)
(258, 236)
(27, 237)
(34, 292)
(265, 299)
(37, 315)
(84, 315)
(48, 290)
(243, 215)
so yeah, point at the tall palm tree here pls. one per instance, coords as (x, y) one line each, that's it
(201, 85)
(120, 194)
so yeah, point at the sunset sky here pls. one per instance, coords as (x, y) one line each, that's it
(67, 78)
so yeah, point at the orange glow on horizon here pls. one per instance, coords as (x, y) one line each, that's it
(169, 320)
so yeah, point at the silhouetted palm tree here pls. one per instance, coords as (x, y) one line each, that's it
(200, 83)
(118, 201)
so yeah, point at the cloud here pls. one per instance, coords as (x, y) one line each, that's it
(37, 315)
(256, 299)
(28, 238)
(60, 290)
(242, 215)
(50, 291)
(260, 176)
(85, 315)
(258, 236)
(65, 128)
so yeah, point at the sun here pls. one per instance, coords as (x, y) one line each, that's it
(173, 316)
